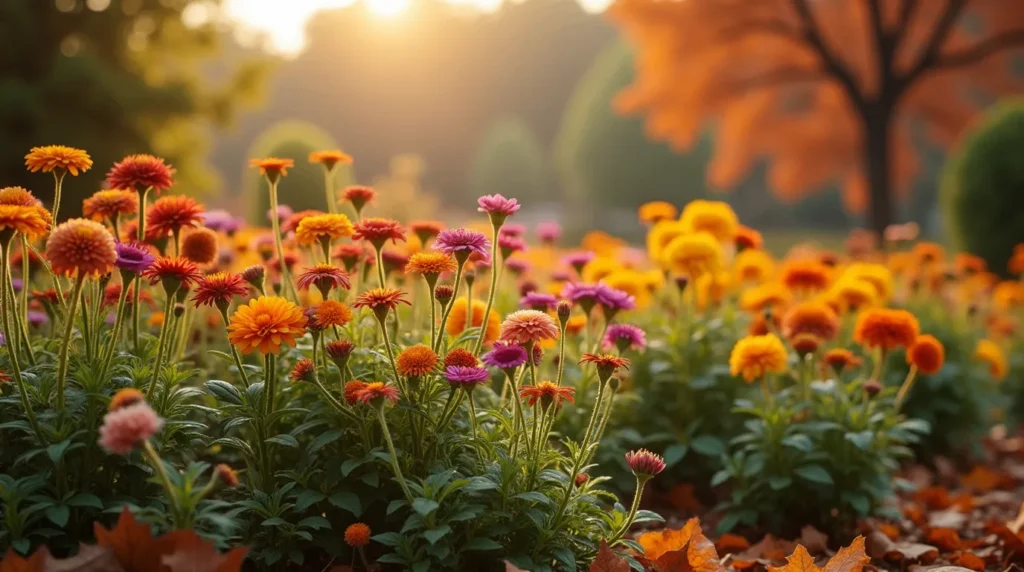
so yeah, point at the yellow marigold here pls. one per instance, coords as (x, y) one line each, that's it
(805, 276)
(316, 228)
(417, 361)
(457, 319)
(631, 282)
(989, 352)
(602, 243)
(754, 357)
(430, 263)
(815, 318)
(26, 220)
(1008, 295)
(111, 203)
(852, 294)
(81, 247)
(654, 279)
(713, 217)
(693, 254)
(753, 266)
(656, 211)
(662, 233)
(769, 295)
(876, 274)
(712, 288)
(886, 328)
(600, 267)
(58, 158)
(926, 354)
(265, 324)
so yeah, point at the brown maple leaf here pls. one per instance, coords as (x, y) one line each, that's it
(881, 547)
(983, 479)
(188, 552)
(12, 562)
(132, 543)
(697, 553)
(607, 561)
(851, 558)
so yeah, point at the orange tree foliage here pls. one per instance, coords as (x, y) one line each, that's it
(828, 90)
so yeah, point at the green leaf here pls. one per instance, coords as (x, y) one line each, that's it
(647, 516)
(436, 533)
(861, 439)
(85, 500)
(858, 501)
(224, 391)
(285, 440)
(916, 425)
(720, 477)
(424, 506)
(674, 453)
(58, 514)
(276, 521)
(534, 496)
(708, 446)
(388, 539)
(371, 479)
(395, 505)
(308, 498)
(324, 439)
(483, 544)
(348, 501)
(56, 451)
(814, 474)
(566, 557)
(350, 465)
(778, 483)
(799, 442)
(314, 522)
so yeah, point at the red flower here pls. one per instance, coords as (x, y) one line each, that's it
(325, 277)
(377, 392)
(172, 213)
(548, 393)
(219, 289)
(380, 299)
(644, 463)
(177, 270)
(141, 172)
(359, 196)
(353, 389)
(605, 361)
(377, 231)
(303, 370)
(460, 357)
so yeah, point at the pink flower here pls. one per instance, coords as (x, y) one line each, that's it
(549, 232)
(528, 326)
(644, 463)
(125, 428)
(497, 207)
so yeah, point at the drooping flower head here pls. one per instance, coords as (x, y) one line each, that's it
(330, 158)
(990, 353)
(381, 301)
(219, 289)
(417, 361)
(81, 247)
(606, 364)
(815, 318)
(357, 535)
(173, 273)
(547, 393)
(466, 378)
(655, 212)
(623, 337)
(457, 319)
(359, 196)
(265, 324)
(505, 356)
(377, 231)
(330, 314)
(200, 246)
(753, 357)
(59, 158)
(539, 301)
(273, 168)
(304, 370)
(324, 277)
(377, 394)
(340, 351)
(139, 173)
(840, 359)
(323, 229)
(927, 354)
(126, 427)
(168, 215)
(886, 328)
(461, 243)
(644, 463)
(497, 207)
(110, 204)
(528, 327)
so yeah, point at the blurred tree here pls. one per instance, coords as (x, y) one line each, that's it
(510, 161)
(124, 78)
(827, 89)
(983, 186)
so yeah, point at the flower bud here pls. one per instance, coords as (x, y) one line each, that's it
(179, 310)
(443, 294)
(682, 282)
(872, 387)
(226, 475)
(564, 310)
(255, 276)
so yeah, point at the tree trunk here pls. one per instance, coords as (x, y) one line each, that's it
(878, 161)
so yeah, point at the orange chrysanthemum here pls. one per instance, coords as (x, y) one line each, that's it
(852, 294)
(357, 535)
(303, 370)
(754, 357)
(528, 326)
(168, 215)
(805, 276)
(330, 158)
(273, 168)
(18, 196)
(125, 397)
(200, 246)
(814, 318)
(324, 227)
(81, 247)
(28, 221)
(110, 204)
(331, 313)
(656, 211)
(548, 393)
(805, 344)
(926, 354)
(430, 263)
(764, 324)
(219, 289)
(378, 299)
(58, 158)
(265, 324)
(840, 359)
(352, 390)
(457, 319)
(928, 252)
(460, 357)
(141, 172)
(377, 231)
(754, 265)
(886, 328)
(377, 393)
(417, 361)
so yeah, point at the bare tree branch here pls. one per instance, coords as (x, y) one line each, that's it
(907, 12)
(831, 63)
(933, 46)
(981, 50)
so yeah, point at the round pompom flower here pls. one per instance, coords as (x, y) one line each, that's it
(265, 324)
(840, 359)
(126, 398)
(27, 220)
(110, 204)
(713, 217)
(331, 313)
(304, 370)
(461, 243)
(623, 337)
(886, 328)
(497, 207)
(377, 231)
(644, 463)
(330, 158)
(693, 254)
(457, 319)
(547, 393)
(805, 276)
(139, 173)
(81, 247)
(168, 215)
(926, 354)
(460, 357)
(754, 357)
(430, 264)
(273, 168)
(58, 158)
(528, 327)
(357, 535)
(505, 356)
(324, 277)
(200, 246)
(125, 428)
(417, 361)
(815, 318)
(323, 228)
(656, 211)
(219, 289)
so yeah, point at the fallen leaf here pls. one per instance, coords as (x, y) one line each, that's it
(935, 498)
(983, 479)
(799, 561)
(946, 539)
(667, 540)
(851, 558)
(90, 558)
(1018, 522)
(1012, 543)
(729, 543)
(771, 548)
(682, 497)
(814, 540)
(606, 561)
(132, 544)
(190, 553)
(951, 518)
(890, 530)
(12, 562)
(696, 555)
(968, 560)
(880, 547)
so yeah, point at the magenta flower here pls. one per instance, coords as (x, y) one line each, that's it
(283, 212)
(549, 232)
(133, 257)
(644, 463)
(612, 300)
(125, 428)
(510, 244)
(539, 301)
(497, 207)
(583, 295)
(578, 259)
(466, 377)
(461, 242)
(623, 337)
(221, 220)
(505, 356)
(513, 229)
(517, 266)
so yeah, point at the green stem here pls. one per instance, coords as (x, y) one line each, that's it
(328, 186)
(448, 308)
(5, 322)
(20, 325)
(286, 281)
(86, 328)
(381, 278)
(382, 321)
(640, 482)
(69, 326)
(161, 345)
(234, 351)
(158, 465)
(490, 295)
(431, 283)
(58, 179)
(394, 456)
(141, 237)
(108, 353)
(270, 383)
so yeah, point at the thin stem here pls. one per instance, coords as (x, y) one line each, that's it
(161, 345)
(448, 308)
(86, 329)
(136, 295)
(394, 456)
(58, 180)
(640, 482)
(234, 351)
(5, 322)
(158, 465)
(20, 324)
(490, 294)
(108, 354)
(431, 283)
(382, 322)
(270, 383)
(328, 190)
(381, 278)
(286, 281)
(69, 325)
(908, 383)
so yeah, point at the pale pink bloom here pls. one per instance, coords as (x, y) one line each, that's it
(528, 326)
(125, 428)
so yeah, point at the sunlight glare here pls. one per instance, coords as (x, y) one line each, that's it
(387, 8)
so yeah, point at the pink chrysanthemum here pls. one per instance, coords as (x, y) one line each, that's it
(126, 427)
(461, 242)
(644, 463)
(497, 207)
(528, 326)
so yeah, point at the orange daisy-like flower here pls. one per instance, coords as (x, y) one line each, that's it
(814, 318)
(125, 398)
(430, 263)
(330, 158)
(840, 359)
(765, 296)
(927, 354)
(324, 227)
(26, 220)
(607, 364)
(460, 357)
(852, 294)
(417, 361)
(331, 313)
(713, 217)
(265, 324)
(764, 324)
(969, 264)
(352, 390)
(805, 276)
(141, 172)
(381, 299)
(200, 246)
(357, 535)
(754, 357)
(58, 158)
(173, 272)
(457, 319)
(753, 265)
(748, 239)
(377, 231)
(81, 247)
(170, 214)
(928, 252)
(548, 393)
(324, 277)
(110, 204)
(18, 196)
(273, 168)
(886, 328)
(377, 393)
(656, 211)
(805, 344)
(303, 370)
(528, 326)
(219, 289)
(359, 196)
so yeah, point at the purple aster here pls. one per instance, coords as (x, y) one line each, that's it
(133, 257)
(561, 276)
(283, 212)
(549, 232)
(514, 229)
(613, 299)
(37, 318)
(539, 301)
(466, 377)
(497, 207)
(517, 265)
(17, 284)
(510, 244)
(461, 242)
(578, 259)
(623, 337)
(221, 220)
(505, 356)
(585, 295)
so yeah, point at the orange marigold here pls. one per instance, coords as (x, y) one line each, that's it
(125, 397)
(173, 272)
(926, 354)
(110, 204)
(273, 168)
(331, 313)
(989, 352)
(840, 359)
(656, 211)
(886, 328)
(219, 289)
(969, 264)
(815, 318)
(548, 393)
(265, 324)
(381, 300)
(303, 371)
(352, 390)
(430, 263)
(458, 315)
(754, 357)
(748, 239)
(200, 246)
(81, 247)
(460, 357)
(713, 217)
(805, 275)
(417, 361)
(58, 158)
(771, 295)
(377, 393)
(141, 172)
(26, 220)
(357, 535)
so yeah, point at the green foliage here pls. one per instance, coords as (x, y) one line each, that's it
(983, 184)
(510, 160)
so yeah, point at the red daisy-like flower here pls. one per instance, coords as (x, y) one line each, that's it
(378, 299)
(359, 196)
(377, 393)
(324, 277)
(173, 270)
(353, 389)
(548, 393)
(219, 289)
(172, 213)
(426, 229)
(606, 364)
(460, 357)
(349, 254)
(303, 370)
(141, 172)
(377, 231)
